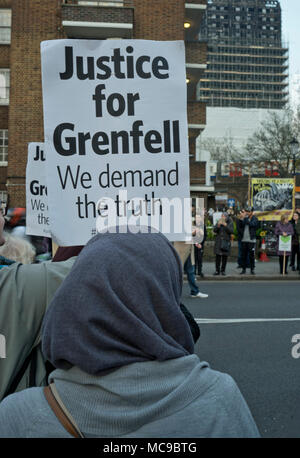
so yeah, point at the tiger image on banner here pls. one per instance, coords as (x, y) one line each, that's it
(272, 197)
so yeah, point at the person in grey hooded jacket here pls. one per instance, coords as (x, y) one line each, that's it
(124, 353)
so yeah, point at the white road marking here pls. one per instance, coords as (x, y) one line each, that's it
(241, 320)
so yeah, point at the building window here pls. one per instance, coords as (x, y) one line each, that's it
(3, 146)
(5, 26)
(4, 86)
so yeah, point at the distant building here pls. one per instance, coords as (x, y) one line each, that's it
(246, 77)
(247, 64)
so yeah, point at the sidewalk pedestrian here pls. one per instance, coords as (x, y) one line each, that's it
(283, 227)
(249, 224)
(240, 230)
(187, 257)
(295, 254)
(223, 230)
(189, 269)
(25, 293)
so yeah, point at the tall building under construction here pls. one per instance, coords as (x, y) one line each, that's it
(247, 63)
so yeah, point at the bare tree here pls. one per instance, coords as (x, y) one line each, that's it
(224, 150)
(271, 142)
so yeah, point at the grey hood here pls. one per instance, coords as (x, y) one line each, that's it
(125, 399)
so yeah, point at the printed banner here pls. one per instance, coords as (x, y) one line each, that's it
(115, 123)
(285, 243)
(272, 197)
(37, 214)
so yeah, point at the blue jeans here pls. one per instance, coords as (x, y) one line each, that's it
(189, 269)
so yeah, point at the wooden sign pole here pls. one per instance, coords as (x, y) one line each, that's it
(283, 271)
(54, 248)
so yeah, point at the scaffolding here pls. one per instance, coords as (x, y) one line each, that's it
(247, 64)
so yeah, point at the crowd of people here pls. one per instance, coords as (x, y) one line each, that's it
(102, 336)
(20, 247)
(247, 224)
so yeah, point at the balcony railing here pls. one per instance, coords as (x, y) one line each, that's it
(97, 20)
(111, 3)
(196, 2)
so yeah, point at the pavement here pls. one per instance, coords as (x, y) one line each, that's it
(263, 271)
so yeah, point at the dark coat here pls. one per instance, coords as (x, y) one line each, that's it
(223, 233)
(240, 229)
(253, 225)
(296, 235)
(204, 237)
(279, 230)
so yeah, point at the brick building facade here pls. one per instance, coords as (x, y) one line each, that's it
(21, 119)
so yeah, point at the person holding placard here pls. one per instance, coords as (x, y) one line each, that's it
(240, 232)
(25, 292)
(284, 229)
(248, 224)
(223, 230)
(186, 254)
(124, 356)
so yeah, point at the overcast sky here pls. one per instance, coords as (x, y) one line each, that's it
(290, 16)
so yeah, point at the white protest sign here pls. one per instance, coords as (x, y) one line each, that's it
(37, 215)
(216, 217)
(115, 124)
(285, 243)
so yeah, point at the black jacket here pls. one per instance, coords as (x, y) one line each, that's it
(240, 229)
(253, 225)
